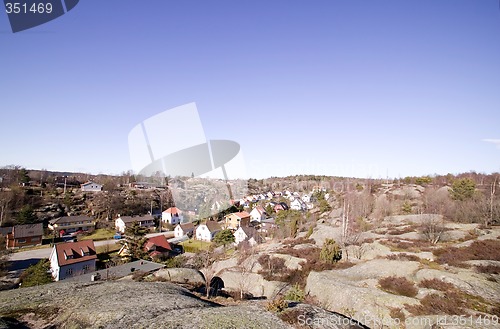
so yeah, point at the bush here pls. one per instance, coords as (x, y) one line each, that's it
(331, 252)
(295, 293)
(450, 303)
(398, 286)
(403, 256)
(37, 274)
(436, 284)
(488, 269)
(277, 305)
(478, 250)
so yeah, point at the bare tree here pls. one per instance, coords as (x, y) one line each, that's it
(204, 262)
(246, 264)
(350, 232)
(5, 200)
(492, 197)
(433, 228)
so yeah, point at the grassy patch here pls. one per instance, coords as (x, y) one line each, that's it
(195, 245)
(398, 286)
(430, 264)
(109, 248)
(99, 234)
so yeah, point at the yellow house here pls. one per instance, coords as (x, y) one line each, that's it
(236, 220)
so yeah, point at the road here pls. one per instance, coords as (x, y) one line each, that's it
(21, 260)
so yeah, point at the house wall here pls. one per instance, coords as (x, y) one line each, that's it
(178, 232)
(120, 225)
(202, 233)
(92, 188)
(23, 242)
(256, 216)
(239, 236)
(173, 220)
(76, 269)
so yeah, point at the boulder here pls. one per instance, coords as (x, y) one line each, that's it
(252, 283)
(181, 275)
(322, 232)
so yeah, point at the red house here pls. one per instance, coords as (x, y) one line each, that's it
(25, 235)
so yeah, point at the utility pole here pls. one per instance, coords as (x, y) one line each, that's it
(65, 184)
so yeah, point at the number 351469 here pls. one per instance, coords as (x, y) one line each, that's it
(23, 8)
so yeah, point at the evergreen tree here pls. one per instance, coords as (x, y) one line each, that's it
(135, 239)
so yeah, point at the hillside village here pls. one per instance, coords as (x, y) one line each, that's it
(406, 252)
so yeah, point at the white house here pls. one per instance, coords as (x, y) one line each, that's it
(172, 216)
(247, 233)
(183, 229)
(72, 259)
(298, 204)
(306, 198)
(122, 222)
(91, 187)
(257, 214)
(207, 231)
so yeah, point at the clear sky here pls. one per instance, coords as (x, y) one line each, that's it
(358, 88)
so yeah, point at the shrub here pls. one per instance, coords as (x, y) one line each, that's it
(450, 303)
(177, 261)
(478, 250)
(436, 284)
(403, 256)
(488, 269)
(295, 293)
(277, 305)
(331, 252)
(398, 286)
(37, 274)
(397, 313)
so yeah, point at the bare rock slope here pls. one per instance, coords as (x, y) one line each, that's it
(129, 304)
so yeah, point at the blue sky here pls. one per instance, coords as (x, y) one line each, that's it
(351, 88)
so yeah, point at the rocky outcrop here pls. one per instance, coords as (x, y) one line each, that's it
(472, 283)
(354, 291)
(251, 283)
(181, 275)
(124, 304)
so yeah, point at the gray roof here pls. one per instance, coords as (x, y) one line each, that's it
(187, 226)
(213, 226)
(120, 271)
(28, 230)
(70, 219)
(5, 230)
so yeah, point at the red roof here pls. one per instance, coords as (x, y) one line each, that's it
(159, 242)
(173, 210)
(241, 214)
(75, 252)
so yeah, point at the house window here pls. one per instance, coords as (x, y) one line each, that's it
(86, 268)
(69, 271)
(21, 241)
(35, 239)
